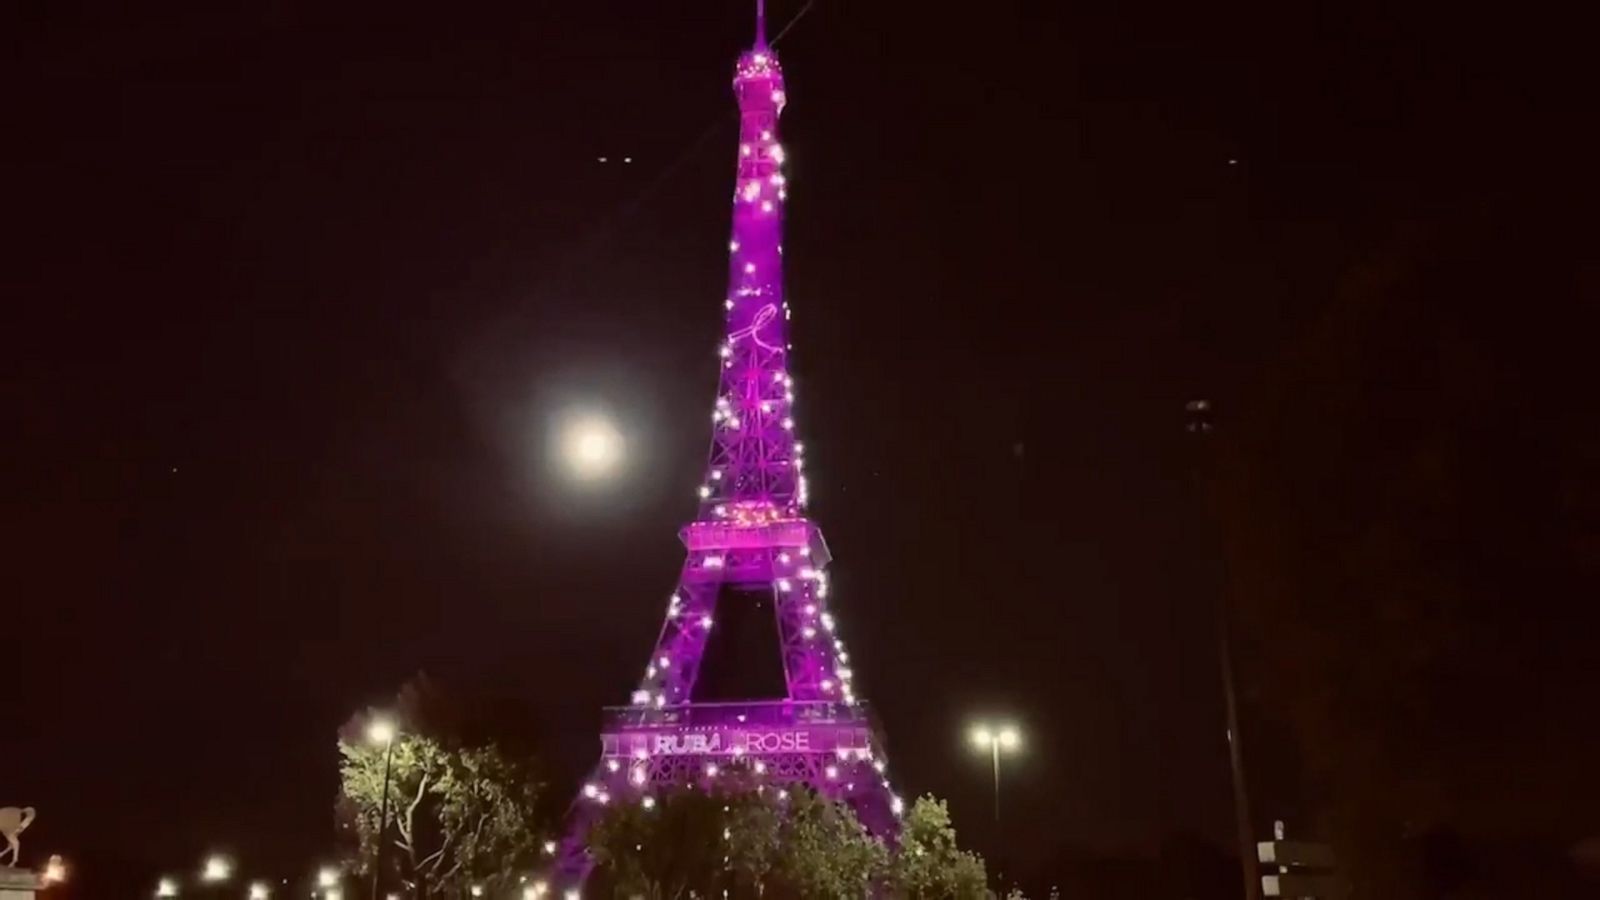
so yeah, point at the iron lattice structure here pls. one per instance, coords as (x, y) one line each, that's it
(751, 533)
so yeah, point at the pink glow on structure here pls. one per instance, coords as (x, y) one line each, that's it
(751, 521)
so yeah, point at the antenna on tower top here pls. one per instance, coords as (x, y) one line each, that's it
(761, 24)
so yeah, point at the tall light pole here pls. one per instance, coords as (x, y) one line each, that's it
(994, 740)
(381, 731)
(1201, 421)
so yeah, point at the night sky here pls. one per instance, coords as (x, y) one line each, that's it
(300, 288)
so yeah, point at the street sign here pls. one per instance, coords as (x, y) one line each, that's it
(1298, 885)
(1296, 853)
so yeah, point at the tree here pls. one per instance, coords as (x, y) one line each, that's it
(824, 851)
(750, 842)
(928, 864)
(763, 842)
(460, 815)
(663, 851)
(755, 838)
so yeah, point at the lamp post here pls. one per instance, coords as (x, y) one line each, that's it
(1005, 738)
(1201, 422)
(381, 731)
(994, 740)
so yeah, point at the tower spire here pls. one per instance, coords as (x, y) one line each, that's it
(761, 24)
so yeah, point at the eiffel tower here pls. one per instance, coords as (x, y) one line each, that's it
(752, 553)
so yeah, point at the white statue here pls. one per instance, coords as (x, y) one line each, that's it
(14, 821)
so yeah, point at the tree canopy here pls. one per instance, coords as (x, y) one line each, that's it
(768, 842)
(457, 815)
(929, 864)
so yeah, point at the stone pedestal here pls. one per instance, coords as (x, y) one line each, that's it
(18, 884)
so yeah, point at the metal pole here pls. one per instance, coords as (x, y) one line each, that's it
(1241, 798)
(995, 746)
(383, 819)
(1200, 424)
(999, 833)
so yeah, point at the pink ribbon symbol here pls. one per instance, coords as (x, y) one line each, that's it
(763, 315)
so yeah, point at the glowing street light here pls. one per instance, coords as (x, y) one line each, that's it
(994, 740)
(382, 731)
(259, 890)
(217, 869)
(167, 887)
(55, 871)
(327, 877)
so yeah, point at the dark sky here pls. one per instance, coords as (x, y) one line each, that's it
(300, 285)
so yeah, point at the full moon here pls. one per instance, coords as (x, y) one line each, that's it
(591, 446)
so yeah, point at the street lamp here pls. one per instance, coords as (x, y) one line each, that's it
(327, 878)
(259, 890)
(167, 887)
(217, 869)
(55, 871)
(381, 731)
(993, 740)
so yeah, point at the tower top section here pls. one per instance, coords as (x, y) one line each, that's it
(754, 474)
(758, 81)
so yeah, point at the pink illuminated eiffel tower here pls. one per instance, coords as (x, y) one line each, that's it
(750, 545)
